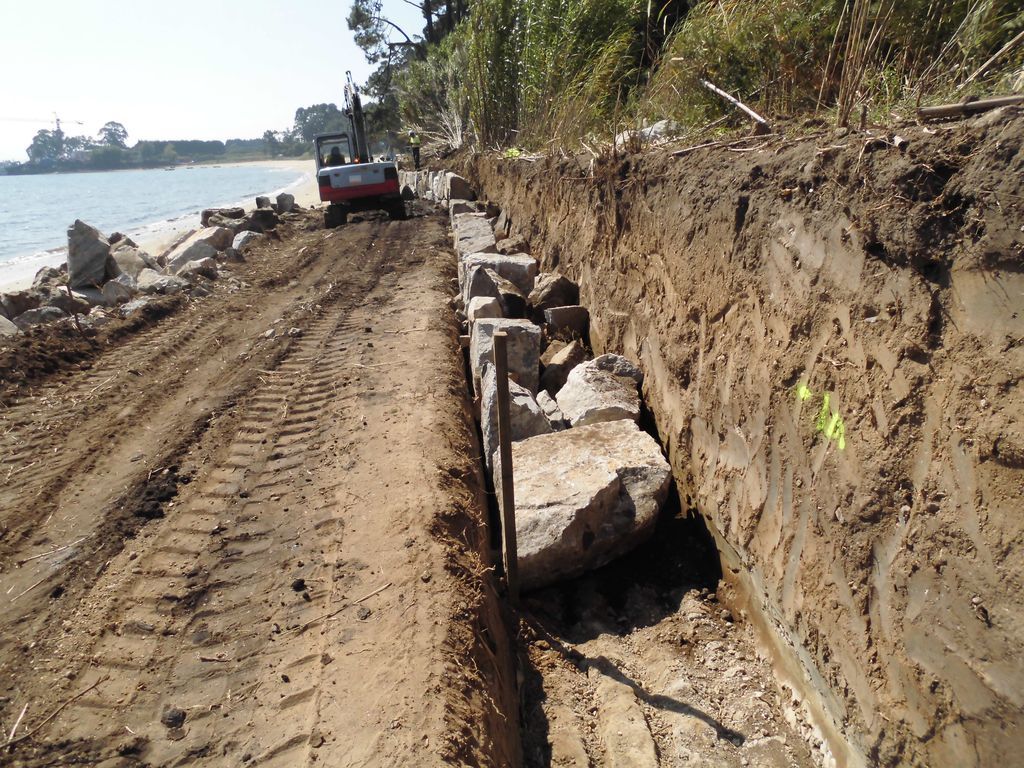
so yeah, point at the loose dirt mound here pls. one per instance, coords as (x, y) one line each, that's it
(831, 330)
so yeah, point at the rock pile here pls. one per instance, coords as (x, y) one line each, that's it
(104, 275)
(588, 481)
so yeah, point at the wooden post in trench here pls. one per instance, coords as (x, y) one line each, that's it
(508, 498)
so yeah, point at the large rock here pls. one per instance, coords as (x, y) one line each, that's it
(38, 316)
(482, 307)
(48, 278)
(203, 267)
(512, 300)
(584, 497)
(553, 289)
(17, 302)
(558, 367)
(7, 328)
(186, 252)
(68, 302)
(130, 260)
(526, 419)
(154, 282)
(513, 244)
(604, 389)
(262, 202)
(245, 240)
(472, 234)
(224, 213)
(88, 254)
(523, 350)
(262, 220)
(480, 283)
(518, 268)
(117, 292)
(458, 187)
(285, 202)
(568, 322)
(235, 225)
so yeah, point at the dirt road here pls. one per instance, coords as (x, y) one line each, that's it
(226, 539)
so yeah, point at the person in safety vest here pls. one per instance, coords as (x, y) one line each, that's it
(414, 145)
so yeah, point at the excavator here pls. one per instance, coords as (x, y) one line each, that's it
(348, 178)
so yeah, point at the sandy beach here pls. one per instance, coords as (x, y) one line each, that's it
(159, 235)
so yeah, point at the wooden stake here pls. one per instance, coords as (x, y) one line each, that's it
(508, 498)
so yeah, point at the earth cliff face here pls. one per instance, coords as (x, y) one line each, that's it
(831, 332)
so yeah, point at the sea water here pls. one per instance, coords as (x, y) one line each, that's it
(35, 211)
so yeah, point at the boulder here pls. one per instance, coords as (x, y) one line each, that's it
(88, 253)
(7, 328)
(513, 244)
(17, 302)
(68, 302)
(519, 268)
(235, 225)
(482, 307)
(230, 254)
(479, 284)
(526, 419)
(119, 238)
(604, 389)
(92, 296)
(553, 289)
(262, 220)
(553, 347)
(584, 497)
(48, 278)
(285, 202)
(38, 316)
(523, 349)
(235, 212)
(130, 260)
(186, 252)
(568, 322)
(204, 267)
(154, 282)
(472, 234)
(245, 240)
(547, 404)
(262, 202)
(503, 226)
(559, 365)
(116, 292)
(457, 187)
(513, 301)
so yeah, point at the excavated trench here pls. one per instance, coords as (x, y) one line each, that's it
(830, 330)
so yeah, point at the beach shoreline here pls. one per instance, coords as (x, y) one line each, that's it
(157, 236)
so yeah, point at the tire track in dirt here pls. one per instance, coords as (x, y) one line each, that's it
(242, 606)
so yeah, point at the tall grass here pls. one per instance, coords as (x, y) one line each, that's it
(545, 73)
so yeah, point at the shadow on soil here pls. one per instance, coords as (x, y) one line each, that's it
(636, 591)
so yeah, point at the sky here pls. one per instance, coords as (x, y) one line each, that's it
(187, 69)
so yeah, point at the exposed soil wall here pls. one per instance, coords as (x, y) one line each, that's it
(878, 532)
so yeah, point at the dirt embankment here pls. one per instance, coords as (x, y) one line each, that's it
(831, 331)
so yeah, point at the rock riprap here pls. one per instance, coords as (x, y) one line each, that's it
(584, 497)
(88, 257)
(522, 349)
(526, 418)
(603, 389)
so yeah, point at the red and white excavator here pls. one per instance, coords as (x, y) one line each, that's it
(348, 178)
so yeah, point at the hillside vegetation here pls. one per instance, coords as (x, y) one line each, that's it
(545, 74)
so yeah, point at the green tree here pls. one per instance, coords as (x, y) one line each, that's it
(114, 135)
(271, 143)
(46, 145)
(169, 155)
(319, 118)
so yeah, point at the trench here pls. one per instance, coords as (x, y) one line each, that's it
(649, 660)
